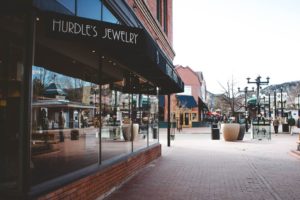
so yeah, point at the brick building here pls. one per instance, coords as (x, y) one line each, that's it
(189, 108)
(79, 86)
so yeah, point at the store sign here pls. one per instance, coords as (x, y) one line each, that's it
(117, 35)
(68, 27)
(76, 27)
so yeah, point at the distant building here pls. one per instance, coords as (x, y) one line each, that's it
(189, 107)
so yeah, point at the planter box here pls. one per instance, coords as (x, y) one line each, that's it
(230, 131)
(242, 132)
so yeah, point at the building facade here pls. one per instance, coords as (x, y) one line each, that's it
(189, 107)
(79, 93)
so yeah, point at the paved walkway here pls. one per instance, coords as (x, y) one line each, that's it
(196, 167)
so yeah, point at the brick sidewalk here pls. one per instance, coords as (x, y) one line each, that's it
(196, 167)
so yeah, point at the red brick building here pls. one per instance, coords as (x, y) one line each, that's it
(186, 110)
(156, 16)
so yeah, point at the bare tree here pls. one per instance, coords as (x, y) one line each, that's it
(231, 99)
(292, 95)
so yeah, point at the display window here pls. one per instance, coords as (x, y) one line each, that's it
(64, 135)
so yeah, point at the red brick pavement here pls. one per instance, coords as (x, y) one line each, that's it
(196, 167)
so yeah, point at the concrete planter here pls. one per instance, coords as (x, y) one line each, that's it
(126, 130)
(230, 131)
(242, 132)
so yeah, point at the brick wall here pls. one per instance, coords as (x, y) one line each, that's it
(105, 181)
(170, 21)
(164, 41)
(152, 7)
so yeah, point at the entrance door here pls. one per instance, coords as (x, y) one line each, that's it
(187, 119)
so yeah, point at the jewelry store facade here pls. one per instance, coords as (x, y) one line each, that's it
(79, 86)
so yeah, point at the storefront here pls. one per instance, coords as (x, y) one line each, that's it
(186, 112)
(78, 93)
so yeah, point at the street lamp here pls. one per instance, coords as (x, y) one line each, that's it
(258, 83)
(298, 105)
(246, 115)
(265, 114)
(275, 103)
(281, 102)
(269, 104)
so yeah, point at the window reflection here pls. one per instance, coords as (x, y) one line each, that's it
(64, 134)
(108, 16)
(141, 120)
(129, 119)
(116, 126)
(90, 9)
(154, 113)
(95, 9)
(68, 4)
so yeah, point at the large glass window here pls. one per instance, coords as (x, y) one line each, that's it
(95, 9)
(166, 16)
(68, 4)
(65, 124)
(147, 120)
(129, 118)
(90, 9)
(154, 115)
(141, 119)
(61, 6)
(158, 11)
(108, 16)
(115, 118)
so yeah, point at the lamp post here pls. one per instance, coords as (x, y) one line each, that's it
(265, 114)
(258, 83)
(246, 115)
(269, 105)
(298, 105)
(281, 102)
(275, 103)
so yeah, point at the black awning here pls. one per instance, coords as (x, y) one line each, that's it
(133, 47)
(202, 104)
(186, 101)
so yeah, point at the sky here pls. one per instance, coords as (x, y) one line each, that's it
(234, 39)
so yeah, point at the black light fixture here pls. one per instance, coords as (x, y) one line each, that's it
(298, 104)
(281, 102)
(258, 83)
(246, 114)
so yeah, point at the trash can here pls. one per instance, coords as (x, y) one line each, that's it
(154, 133)
(285, 128)
(214, 126)
(215, 134)
(74, 134)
